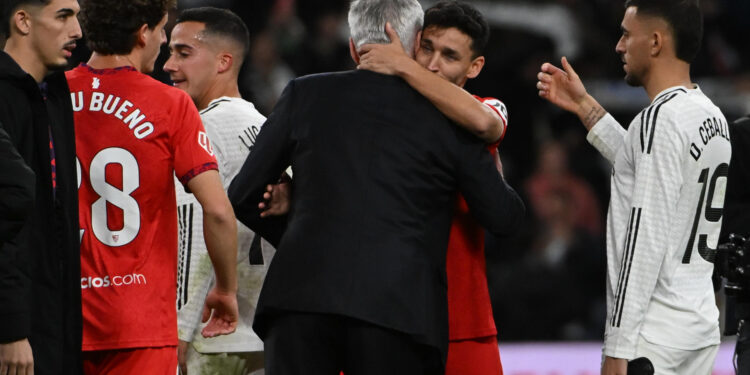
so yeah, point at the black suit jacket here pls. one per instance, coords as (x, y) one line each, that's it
(737, 202)
(376, 171)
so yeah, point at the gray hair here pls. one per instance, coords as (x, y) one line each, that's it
(367, 20)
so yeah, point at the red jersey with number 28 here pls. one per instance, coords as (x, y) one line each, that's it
(133, 134)
(469, 308)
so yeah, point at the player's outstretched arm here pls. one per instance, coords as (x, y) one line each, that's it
(220, 234)
(563, 88)
(454, 102)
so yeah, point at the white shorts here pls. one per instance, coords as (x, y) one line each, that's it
(671, 361)
(242, 363)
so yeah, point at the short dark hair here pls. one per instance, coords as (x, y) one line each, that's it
(110, 25)
(683, 17)
(463, 17)
(7, 7)
(219, 22)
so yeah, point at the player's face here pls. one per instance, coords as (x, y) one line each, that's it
(448, 53)
(633, 47)
(192, 63)
(54, 32)
(154, 39)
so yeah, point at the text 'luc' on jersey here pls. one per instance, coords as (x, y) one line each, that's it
(232, 125)
(133, 134)
(668, 183)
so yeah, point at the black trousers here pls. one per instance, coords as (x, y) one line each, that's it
(742, 349)
(326, 344)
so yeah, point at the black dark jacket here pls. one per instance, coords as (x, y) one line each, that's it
(376, 171)
(40, 293)
(16, 188)
(737, 201)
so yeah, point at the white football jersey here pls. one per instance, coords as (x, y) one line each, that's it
(232, 125)
(667, 195)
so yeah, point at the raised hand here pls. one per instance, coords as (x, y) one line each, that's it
(221, 308)
(563, 88)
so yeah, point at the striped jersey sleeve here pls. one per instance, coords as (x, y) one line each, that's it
(500, 109)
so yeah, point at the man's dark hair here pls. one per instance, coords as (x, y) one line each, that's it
(7, 7)
(463, 17)
(683, 17)
(219, 22)
(110, 25)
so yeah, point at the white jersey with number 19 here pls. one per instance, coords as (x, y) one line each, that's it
(669, 177)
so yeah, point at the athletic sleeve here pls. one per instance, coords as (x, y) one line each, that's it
(658, 179)
(607, 136)
(193, 152)
(219, 152)
(502, 111)
(195, 272)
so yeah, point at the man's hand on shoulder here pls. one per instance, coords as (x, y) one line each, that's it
(389, 58)
(16, 358)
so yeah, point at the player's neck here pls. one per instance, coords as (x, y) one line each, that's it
(26, 59)
(218, 89)
(664, 76)
(100, 61)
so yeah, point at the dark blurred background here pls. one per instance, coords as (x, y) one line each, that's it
(547, 282)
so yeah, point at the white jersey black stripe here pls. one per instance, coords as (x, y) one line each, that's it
(232, 125)
(622, 267)
(653, 121)
(630, 264)
(185, 216)
(667, 192)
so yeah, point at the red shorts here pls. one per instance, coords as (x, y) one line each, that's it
(479, 356)
(141, 361)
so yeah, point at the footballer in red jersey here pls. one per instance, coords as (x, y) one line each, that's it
(133, 134)
(450, 52)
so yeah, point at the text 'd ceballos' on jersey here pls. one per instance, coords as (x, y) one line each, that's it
(668, 183)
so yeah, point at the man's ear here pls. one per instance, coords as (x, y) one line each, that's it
(656, 43)
(226, 62)
(353, 51)
(417, 42)
(142, 35)
(21, 22)
(476, 67)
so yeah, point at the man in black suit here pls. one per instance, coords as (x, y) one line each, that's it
(358, 280)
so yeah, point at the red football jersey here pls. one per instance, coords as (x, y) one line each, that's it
(469, 308)
(133, 134)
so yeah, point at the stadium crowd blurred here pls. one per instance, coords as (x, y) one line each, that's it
(547, 283)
